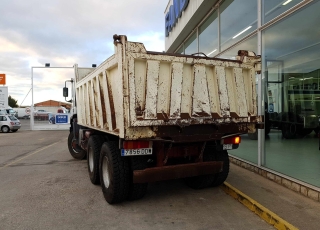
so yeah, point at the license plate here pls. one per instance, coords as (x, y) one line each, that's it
(227, 146)
(136, 152)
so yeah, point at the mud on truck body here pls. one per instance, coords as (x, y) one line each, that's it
(148, 116)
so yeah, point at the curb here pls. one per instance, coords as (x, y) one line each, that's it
(264, 213)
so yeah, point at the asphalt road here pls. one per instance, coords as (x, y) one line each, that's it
(43, 187)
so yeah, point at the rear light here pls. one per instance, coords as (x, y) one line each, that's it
(232, 140)
(12, 123)
(137, 144)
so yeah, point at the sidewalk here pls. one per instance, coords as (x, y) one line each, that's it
(300, 211)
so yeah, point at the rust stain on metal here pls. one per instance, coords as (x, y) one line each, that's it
(103, 107)
(112, 109)
(215, 115)
(234, 114)
(139, 111)
(185, 115)
(200, 114)
(91, 107)
(163, 116)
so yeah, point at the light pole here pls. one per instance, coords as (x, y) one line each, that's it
(47, 65)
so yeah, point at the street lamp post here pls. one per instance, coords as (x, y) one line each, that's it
(47, 65)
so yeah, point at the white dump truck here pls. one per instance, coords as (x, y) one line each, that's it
(148, 116)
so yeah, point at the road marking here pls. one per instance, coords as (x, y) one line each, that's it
(264, 213)
(39, 150)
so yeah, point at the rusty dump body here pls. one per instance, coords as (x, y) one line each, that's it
(136, 94)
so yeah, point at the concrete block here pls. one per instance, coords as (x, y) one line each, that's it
(251, 168)
(313, 195)
(270, 176)
(295, 187)
(303, 190)
(286, 183)
(278, 179)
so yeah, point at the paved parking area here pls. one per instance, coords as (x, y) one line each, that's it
(43, 187)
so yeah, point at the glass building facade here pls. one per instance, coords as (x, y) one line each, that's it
(285, 33)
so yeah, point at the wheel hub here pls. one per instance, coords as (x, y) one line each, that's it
(74, 146)
(105, 172)
(90, 158)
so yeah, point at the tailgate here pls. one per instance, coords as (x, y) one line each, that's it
(184, 90)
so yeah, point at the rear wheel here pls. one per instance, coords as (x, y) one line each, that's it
(137, 191)
(114, 173)
(220, 177)
(289, 130)
(75, 150)
(94, 147)
(5, 129)
(316, 130)
(304, 131)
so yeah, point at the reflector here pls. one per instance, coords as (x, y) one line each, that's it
(135, 144)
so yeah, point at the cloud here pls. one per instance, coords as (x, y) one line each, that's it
(63, 33)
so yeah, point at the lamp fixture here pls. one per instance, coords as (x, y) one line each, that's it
(242, 32)
(212, 52)
(286, 2)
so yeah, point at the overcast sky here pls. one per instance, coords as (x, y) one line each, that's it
(65, 32)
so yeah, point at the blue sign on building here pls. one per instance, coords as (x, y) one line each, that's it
(174, 14)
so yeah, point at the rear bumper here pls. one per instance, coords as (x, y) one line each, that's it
(176, 171)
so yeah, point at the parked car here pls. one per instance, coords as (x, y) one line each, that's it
(9, 122)
(41, 115)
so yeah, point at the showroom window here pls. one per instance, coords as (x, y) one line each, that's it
(250, 44)
(191, 45)
(291, 54)
(208, 36)
(238, 18)
(180, 50)
(273, 8)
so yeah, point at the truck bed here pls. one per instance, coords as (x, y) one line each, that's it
(136, 94)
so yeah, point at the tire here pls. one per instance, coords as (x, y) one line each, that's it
(5, 129)
(316, 131)
(289, 131)
(137, 191)
(75, 150)
(203, 181)
(222, 176)
(304, 131)
(14, 130)
(114, 173)
(93, 154)
(267, 129)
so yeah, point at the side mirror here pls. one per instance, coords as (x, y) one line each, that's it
(65, 91)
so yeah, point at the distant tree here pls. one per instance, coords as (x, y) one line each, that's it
(12, 102)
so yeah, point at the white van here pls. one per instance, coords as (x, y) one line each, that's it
(8, 111)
